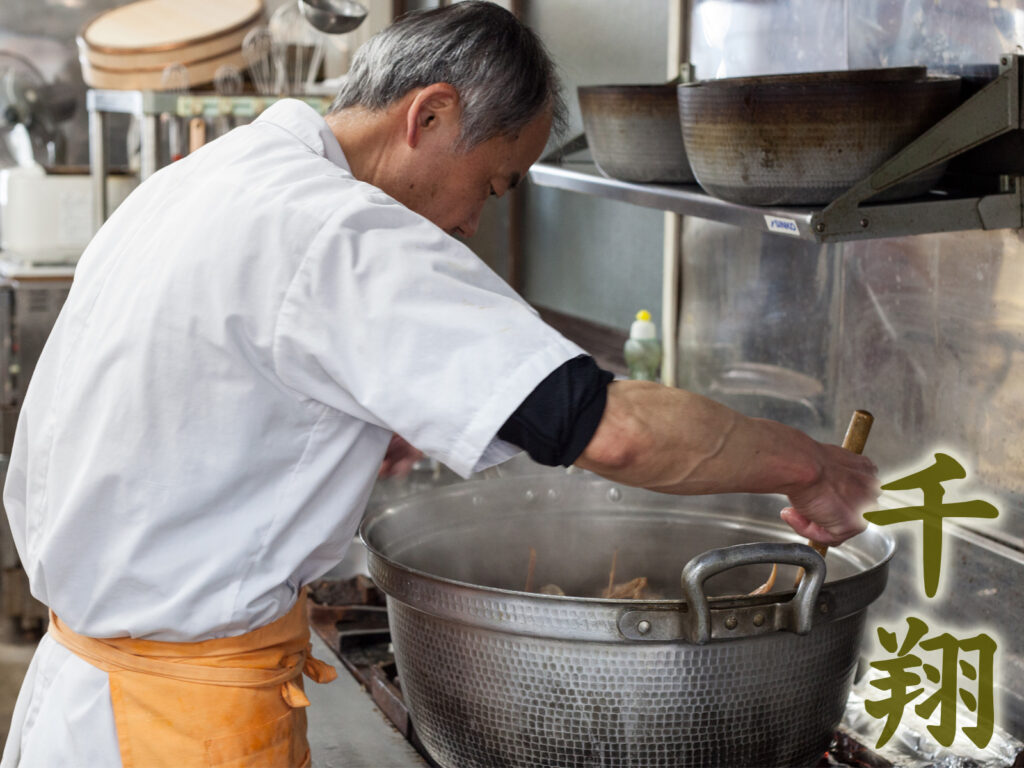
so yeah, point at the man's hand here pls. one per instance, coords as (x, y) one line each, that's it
(675, 441)
(399, 458)
(831, 510)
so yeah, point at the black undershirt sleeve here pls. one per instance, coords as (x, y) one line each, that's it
(557, 420)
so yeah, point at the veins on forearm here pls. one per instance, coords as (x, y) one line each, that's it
(696, 467)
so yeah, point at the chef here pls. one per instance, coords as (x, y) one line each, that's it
(244, 337)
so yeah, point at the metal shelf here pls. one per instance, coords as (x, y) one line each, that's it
(936, 213)
(993, 111)
(143, 103)
(150, 108)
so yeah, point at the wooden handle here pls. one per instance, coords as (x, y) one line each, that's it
(196, 133)
(857, 432)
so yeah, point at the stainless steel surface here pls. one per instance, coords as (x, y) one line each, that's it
(805, 139)
(633, 132)
(28, 310)
(333, 17)
(938, 214)
(578, 681)
(683, 198)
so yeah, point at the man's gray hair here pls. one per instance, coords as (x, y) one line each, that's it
(500, 68)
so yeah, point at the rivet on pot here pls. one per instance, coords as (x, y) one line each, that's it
(552, 493)
(731, 622)
(530, 495)
(823, 607)
(614, 494)
(819, 227)
(758, 619)
(643, 627)
(864, 223)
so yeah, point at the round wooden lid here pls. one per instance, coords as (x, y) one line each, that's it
(159, 25)
(184, 54)
(199, 72)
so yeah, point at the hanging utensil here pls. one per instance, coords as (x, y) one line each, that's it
(196, 133)
(258, 50)
(174, 79)
(330, 17)
(226, 82)
(854, 441)
(335, 17)
(294, 46)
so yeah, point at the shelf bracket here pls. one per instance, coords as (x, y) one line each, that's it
(993, 111)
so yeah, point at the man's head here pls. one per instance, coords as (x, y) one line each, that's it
(464, 96)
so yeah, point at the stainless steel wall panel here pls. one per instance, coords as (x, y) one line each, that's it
(733, 38)
(932, 340)
(893, 33)
(758, 310)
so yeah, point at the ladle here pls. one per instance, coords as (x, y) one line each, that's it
(334, 17)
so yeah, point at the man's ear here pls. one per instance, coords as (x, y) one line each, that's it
(433, 109)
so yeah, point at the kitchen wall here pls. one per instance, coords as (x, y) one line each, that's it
(587, 257)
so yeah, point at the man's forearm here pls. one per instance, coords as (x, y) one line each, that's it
(680, 442)
(675, 441)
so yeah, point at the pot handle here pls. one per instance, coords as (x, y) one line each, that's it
(705, 565)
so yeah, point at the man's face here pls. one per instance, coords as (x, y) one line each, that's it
(449, 186)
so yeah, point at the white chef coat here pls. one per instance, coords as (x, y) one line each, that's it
(205, 423)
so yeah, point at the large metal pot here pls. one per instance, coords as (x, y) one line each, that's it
(495, 676)
(806, 138)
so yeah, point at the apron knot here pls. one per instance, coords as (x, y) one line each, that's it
(293, 694)
(316, 670)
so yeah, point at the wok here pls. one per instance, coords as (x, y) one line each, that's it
(703, 675)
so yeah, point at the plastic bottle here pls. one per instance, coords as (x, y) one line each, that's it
(643, 350)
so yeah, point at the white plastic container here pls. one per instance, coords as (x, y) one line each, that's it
(49, 216)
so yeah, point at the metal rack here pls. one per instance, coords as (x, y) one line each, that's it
(991, 112)
(148, 107)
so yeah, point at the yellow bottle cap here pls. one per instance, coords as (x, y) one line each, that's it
(643, 315)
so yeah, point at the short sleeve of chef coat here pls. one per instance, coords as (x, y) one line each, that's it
(396, 323)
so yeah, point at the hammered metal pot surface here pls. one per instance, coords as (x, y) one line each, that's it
(805, 139)
(481, 698)
(495, 676)
(633, 132)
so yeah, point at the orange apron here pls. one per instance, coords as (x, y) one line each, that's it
(232, 702)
